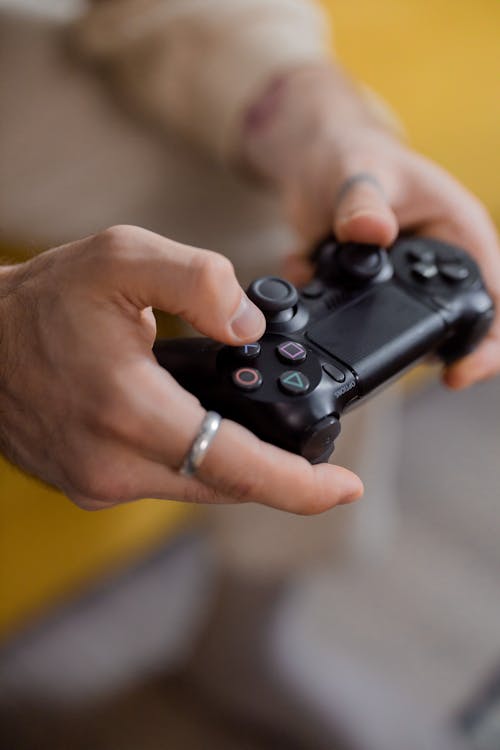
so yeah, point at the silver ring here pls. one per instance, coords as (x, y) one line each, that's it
(200, 445)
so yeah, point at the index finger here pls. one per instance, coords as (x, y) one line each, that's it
(241, 466)
(237, 464)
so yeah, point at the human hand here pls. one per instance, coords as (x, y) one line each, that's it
(84, 405)
(339, 168)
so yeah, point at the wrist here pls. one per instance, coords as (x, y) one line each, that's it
(5, 271)
(301, 112)
(7, 276)
(9, 281)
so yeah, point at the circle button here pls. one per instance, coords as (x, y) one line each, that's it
(291, 351)
(294, 382)
(247, 378)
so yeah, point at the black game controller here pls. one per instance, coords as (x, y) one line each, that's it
(366, 317)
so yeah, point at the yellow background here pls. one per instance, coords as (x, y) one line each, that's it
(437, 64)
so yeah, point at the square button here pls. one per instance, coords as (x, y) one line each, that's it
(291, 351)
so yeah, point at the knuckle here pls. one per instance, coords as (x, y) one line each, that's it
(98, 475)
(115, 237)
(213, 270)
(94, 487)
(115, 243)
(310, 506)
(464, 208)
(244, 486)
(199, 493)
(480, 213)
(242, 489)
(85, 503)
(113, 413)
(122, 425)
(112, 419)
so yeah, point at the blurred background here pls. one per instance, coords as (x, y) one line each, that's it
(159, 625)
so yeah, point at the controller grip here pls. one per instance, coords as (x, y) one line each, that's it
(193, 363)
(186, 353)
(467, 337)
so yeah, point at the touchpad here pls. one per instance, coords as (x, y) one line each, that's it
(378, 334)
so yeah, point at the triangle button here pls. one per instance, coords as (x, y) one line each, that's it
(294, 382)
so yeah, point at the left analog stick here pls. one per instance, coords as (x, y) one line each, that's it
(273, 295)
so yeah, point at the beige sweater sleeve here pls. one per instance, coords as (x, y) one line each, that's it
(197, 64)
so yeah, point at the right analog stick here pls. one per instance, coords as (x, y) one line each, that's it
(359, 263)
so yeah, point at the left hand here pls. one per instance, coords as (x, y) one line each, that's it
(84, 404)
(338, 169)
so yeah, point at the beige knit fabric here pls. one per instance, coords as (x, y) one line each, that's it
(197, 64)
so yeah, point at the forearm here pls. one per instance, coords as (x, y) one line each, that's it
(302, 110)
(6, 273)
(7, 359)
(156, 52)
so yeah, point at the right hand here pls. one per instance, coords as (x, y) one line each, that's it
(84, 404)
(338, 169)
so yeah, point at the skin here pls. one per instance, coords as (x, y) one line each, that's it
(86, 408)
(84, 405)
(338, 168)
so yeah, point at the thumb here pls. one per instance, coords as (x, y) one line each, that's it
(199, 285)
(362, 212)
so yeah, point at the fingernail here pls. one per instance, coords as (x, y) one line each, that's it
(248, 323)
